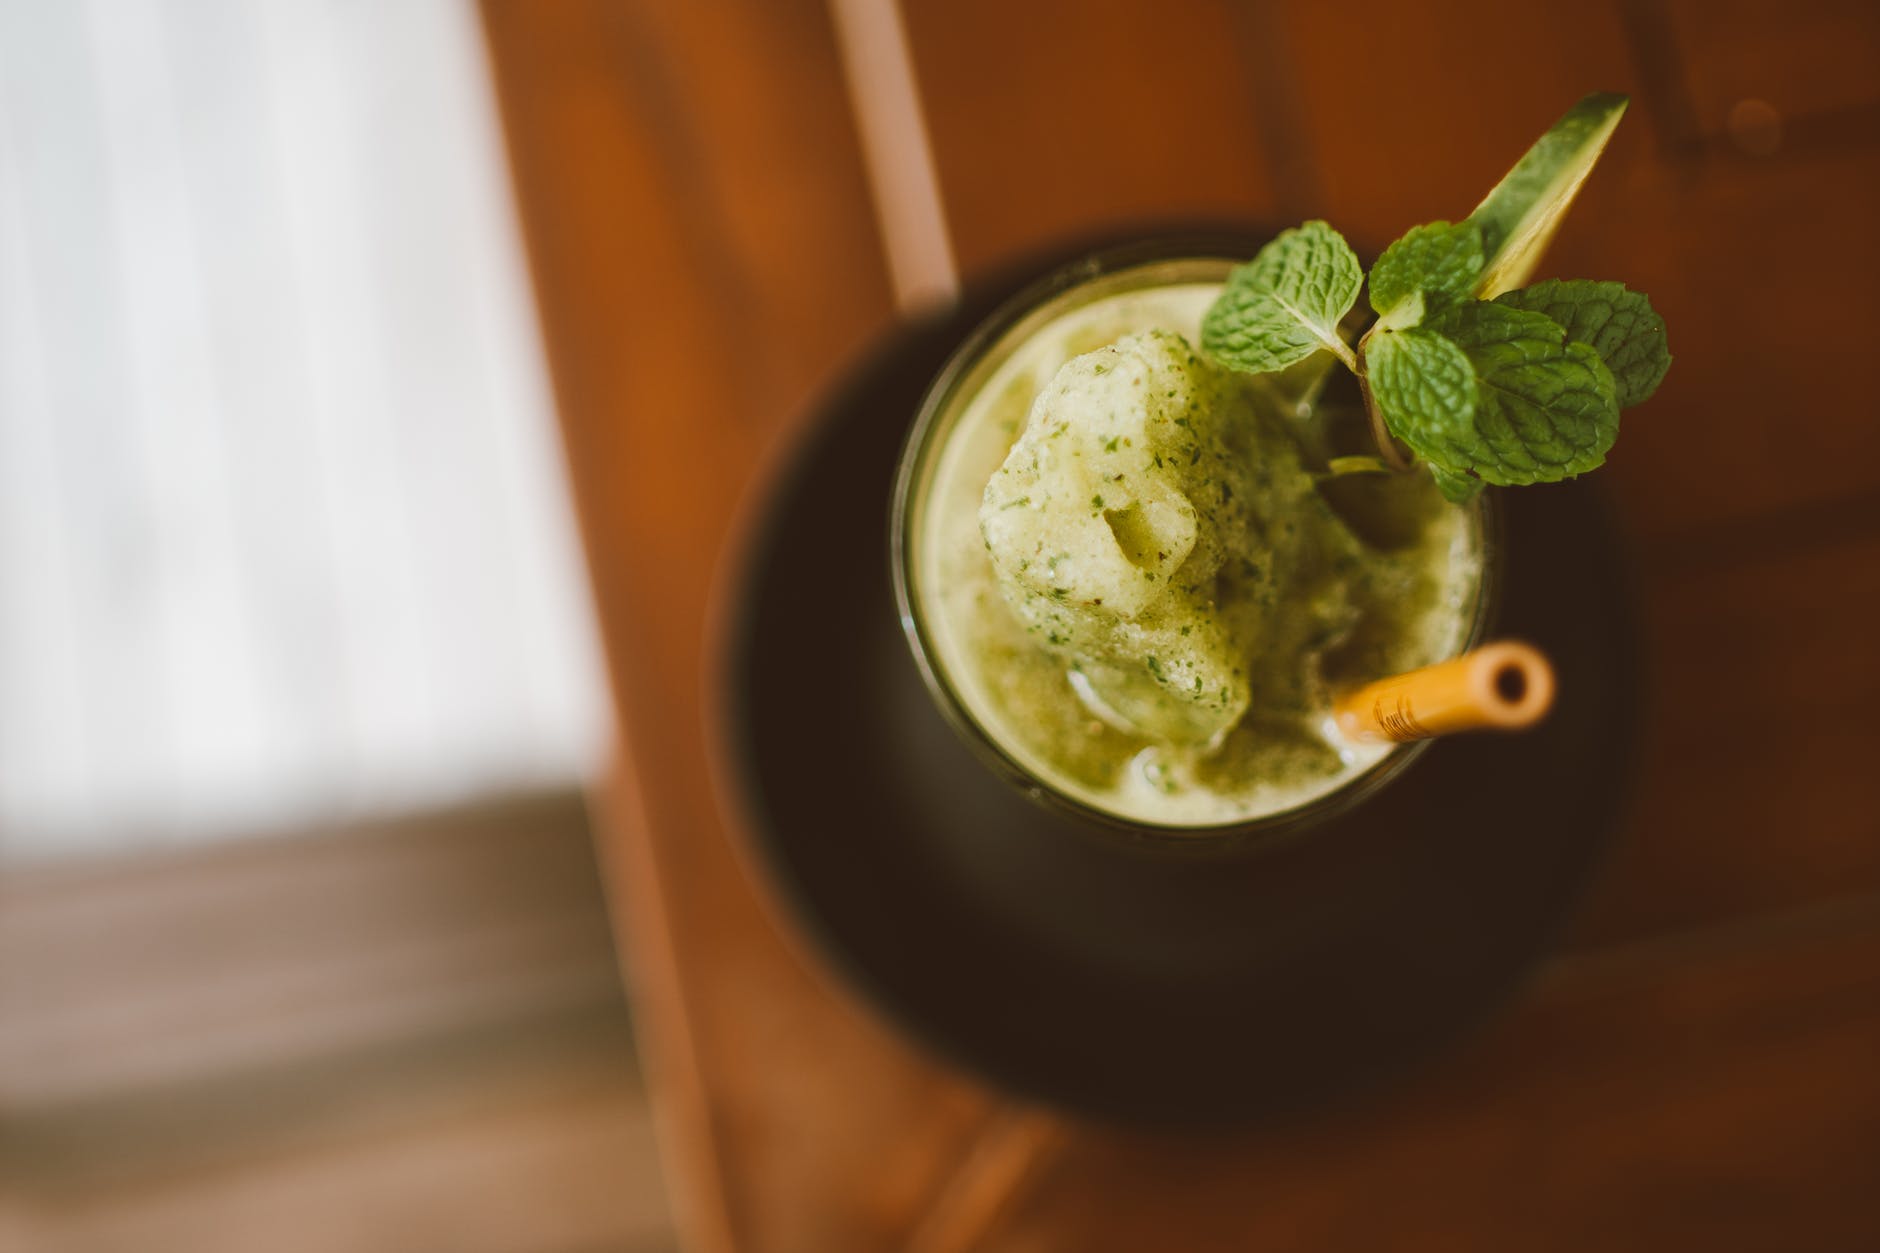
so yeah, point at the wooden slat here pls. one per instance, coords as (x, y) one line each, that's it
(170, 970)
(704, 257)
(1716, 1096)
(1056, 120)
(544, 1173)
(1758, 791)
(1755, 416)
(1413, 114)
(1819, 62)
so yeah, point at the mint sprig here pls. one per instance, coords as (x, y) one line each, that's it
(1524, 388)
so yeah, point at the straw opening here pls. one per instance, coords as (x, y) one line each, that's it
(1511, 683)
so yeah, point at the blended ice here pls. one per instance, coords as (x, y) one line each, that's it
(1145, 527)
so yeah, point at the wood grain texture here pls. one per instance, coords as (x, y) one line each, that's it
(688, 176)
(1028, 154)
(1819, 63)
(531, 1172)
(1706, 1095)
(165, 972)
(689, 180)
(1758, 789)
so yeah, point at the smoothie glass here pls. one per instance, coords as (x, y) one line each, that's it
(1176, 276)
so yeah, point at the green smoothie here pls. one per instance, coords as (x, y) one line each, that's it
(1134, 573)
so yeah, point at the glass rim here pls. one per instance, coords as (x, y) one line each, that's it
(912, 469)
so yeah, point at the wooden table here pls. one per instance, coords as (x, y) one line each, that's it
(1700, 1067)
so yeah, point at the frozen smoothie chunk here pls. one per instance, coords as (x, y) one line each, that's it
(1121, 515)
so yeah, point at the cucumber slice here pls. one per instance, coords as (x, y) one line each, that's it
(1519, 218)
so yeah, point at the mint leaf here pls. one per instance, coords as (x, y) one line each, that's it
(1544, 406)
(1618, 324)
(1438, 259)
(1425, 388)
(1456, 488)
(1286, 303)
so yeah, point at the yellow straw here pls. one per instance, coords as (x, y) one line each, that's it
(1503, 686)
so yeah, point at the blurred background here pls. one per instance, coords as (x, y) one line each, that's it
(383, 387)
(299, 688)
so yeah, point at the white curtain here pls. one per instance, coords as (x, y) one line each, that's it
(284, 535)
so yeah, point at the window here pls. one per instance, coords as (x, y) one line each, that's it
(283, 532)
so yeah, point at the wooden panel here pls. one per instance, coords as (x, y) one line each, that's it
(705, 259)
(1648, 1100)
(1759, 787)
(1820, 60)
(1754, 415)
(1414, 112)
(1056, 120)
(575, 1169)
(172, 970)
(694, 296)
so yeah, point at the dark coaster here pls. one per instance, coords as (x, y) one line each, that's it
(1120, 980)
